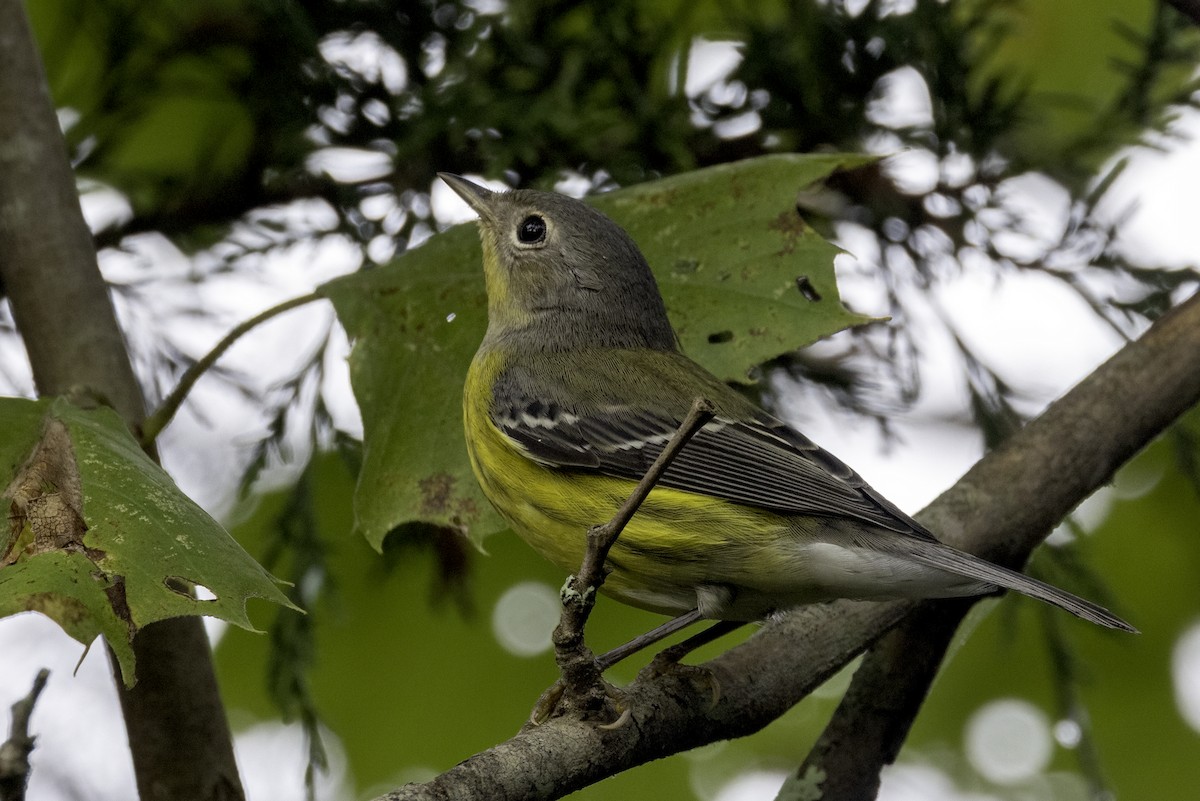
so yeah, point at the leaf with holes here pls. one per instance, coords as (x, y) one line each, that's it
(744, 279)
(101, 539)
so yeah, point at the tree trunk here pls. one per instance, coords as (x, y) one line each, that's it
(182, 748)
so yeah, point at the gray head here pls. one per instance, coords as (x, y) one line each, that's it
(561, 275)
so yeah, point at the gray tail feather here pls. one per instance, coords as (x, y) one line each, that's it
(936, 554)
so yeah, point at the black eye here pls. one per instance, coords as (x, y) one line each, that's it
(531, 230)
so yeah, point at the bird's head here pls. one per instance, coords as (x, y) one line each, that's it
(562, 273)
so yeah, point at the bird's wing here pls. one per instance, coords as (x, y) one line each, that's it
(743, 455)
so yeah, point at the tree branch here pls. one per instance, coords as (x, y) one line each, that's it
(1001, 509)
(1050, 451)
(873, 718)
(180, 740)
(153, 425)
(14, 753)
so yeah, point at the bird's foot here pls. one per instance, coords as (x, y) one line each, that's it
(667, 663)
(601, 702)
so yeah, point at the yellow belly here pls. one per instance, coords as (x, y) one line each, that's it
(676, 542)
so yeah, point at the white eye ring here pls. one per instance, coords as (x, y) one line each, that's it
(531, 232)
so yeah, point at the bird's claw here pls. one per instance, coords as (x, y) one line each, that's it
(548, 703)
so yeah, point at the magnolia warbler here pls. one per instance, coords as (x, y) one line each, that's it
(579, 383)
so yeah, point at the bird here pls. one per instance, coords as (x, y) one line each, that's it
(579, 383)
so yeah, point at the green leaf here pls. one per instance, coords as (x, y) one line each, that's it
(729, 251)
(101, 539)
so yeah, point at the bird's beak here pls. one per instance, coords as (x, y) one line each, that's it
(477, 197)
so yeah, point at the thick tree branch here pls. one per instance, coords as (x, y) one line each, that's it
(177, 729)
(873, 718)
(1051, 452)
(1001, 509)
(59, 300)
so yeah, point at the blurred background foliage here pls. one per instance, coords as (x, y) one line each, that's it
(243, 128)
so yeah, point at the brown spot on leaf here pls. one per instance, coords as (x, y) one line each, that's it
(466, 512)
(46, 499)
(661, 198)
(790, 224)
(437, 492)
(440, 503)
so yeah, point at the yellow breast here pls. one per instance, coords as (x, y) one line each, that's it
(676, 541)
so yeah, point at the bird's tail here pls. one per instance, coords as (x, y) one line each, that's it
(943, 557)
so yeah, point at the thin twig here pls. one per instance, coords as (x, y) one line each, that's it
(153, 425)
(602, 538)
(14, 753)
(581, 674)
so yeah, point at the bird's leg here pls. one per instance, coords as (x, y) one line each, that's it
(672, 655)
(621, 652)
(667, 660)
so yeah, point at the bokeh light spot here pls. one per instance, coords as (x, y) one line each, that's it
(1009, 741)
(751, 786)
(1185, 675)
(524, 617)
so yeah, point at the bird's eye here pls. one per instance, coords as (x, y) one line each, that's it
(531, 230)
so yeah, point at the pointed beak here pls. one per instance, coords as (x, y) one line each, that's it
(477, 197)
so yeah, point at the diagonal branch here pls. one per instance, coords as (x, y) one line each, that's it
(1001, 509)
(873, 719)
(602, 538)
(1049, 452)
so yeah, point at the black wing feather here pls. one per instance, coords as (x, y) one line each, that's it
(758, 462)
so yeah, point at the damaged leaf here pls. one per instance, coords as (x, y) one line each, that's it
(99, 537)
(46, 500)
